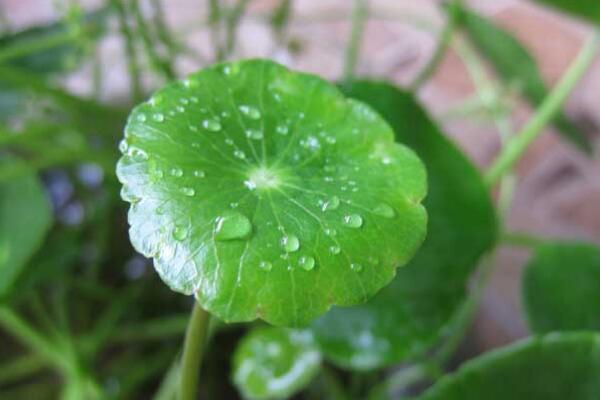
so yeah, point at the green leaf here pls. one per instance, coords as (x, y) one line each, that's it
(268, 194)
(557, 366)
(410, 314)
(586, 9)
(561, 287)
(275, 363)
(25, 218)
(515, 65)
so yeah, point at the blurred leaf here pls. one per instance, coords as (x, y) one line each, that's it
(557, 366)
(516, 66)
(411, 314)
(275, 363)
(25, 217)
(586, 9)
(561, 287)
(300, 198)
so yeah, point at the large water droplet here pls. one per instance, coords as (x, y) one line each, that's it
(384, 210)
(254, 134)
(212, 125)
(250, 111)
(290, 243)
(353, 220)
(232, 225)
(331, 204)
(265, 265)
(188, 191)
(141, 117)
(306, 262)
(180, 233)
(356, 267)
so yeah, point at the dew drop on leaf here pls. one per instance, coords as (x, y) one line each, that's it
(254, 134)
(335, 249)
(282, 129)
(180, 233)
(188, 191)
(199, 173)
(306, 262)
(176, 172)
(212, 125)
(158, 117)
(232, 225)
(353, 220)
(250, 111)
(356, 267)
(141, 117)
(265, 265)
(239, 154)
(331, 204)
(384, 210)
(290, 243)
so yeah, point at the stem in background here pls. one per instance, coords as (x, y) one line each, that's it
(214, 19)
(359, 15)
(231, 26)
(21, 367)
(444, 40)
(544, 114)
(400, 381)
(130, 50)
(192, 352)
(25, 48)
(520, 239)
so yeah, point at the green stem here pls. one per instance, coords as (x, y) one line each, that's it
(21, 367)
(545, 113)
(521, 239)
(231, 26)
(130, 50)
(192, 352)
(445, 38)
(25, 48)
(400, 381)
(359, 15)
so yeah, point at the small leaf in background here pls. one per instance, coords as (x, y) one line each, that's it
(269, 194)
(275, 363)
(557, 366)
(561, 288)
(25, 218)
(409, 315)
(588, 10)
(517, 67)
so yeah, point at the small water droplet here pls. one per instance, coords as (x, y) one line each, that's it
(254, 134)
(141, 117)
(373, 260)
(250, 111)
(282, 129)
(384, 210)
(290, 243)
(138, 154)
(233, 204)
(356, 267)
(199, 173)
(265, 265)
(330, 139)
(229, 142)
(160, 210)
(180, 233)
(178, 172)
(330, 232)
(306, 262)
(335, 249)
(212, 125)
(232, 225)
(158, 117)
(123, 146)
(331, 204)
(239, 154)
(353, 220)
(188, 191)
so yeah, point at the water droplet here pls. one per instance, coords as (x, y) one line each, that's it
(158, 117)
(373, 260)
(141, 117)
(265, 265)
(356, 267)
(306, 262)
(194, 99)
(176, 172)
(232, 225)
(212, 125)
(335, 249)
(254, 134)
(193, 128)
(330, 139)
(384, 210)
(331, 204)
(250, 111)
(188, 191)
(138, 154)
(353, 220)
(239, 154)
(330, 232)
(199, 173)
(282, 129)
(123, 146)
(290, 243)
(180, 233)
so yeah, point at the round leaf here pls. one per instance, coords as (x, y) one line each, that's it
(561, 288)
(553, 367)
(412, 313)
(268, 194)
(274, 363)
(25, 218)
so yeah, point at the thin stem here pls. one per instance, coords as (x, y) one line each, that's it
(130, 50)
(231, 26)
(545, 113)
(25, 48)
(21, 367)
(445, 38)
(400, 381)
(522, 239)
(359, 15)
(192, 352)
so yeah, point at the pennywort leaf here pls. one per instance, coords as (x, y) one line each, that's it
(409, 315)
(557, 366)
(560, 287)
(275, 363)
(267, 193)
(25, 218)
(516, 66)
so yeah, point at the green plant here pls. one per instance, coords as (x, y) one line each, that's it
(327, 233)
